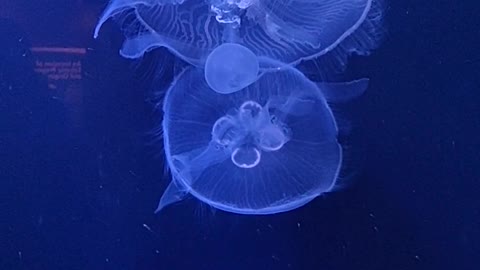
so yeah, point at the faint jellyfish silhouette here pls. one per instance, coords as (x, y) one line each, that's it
(285, 30)
(268, 148)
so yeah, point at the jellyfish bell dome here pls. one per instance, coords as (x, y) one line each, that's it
(285, 30)
(268, 148)
(230, 68)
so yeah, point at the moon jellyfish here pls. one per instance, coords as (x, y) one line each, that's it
(230, 67)
(268, 148)
(285, 30)
(244, 130)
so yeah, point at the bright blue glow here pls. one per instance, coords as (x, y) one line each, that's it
(284, 30)
(231, 67)
(268, 148)
(244, 130)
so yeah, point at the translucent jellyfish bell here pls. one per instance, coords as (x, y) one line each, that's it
(285, 30)
(231, 67)
(268, 148)
(186, 27)
(295, 30)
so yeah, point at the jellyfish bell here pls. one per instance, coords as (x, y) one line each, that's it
(268, 148)
(187, 28)
(296, 30)
(285, 30)
(231, 67)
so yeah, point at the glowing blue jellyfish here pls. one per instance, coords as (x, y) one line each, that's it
(244, 130)
(285, 30)
(231, 67)
(268, 148)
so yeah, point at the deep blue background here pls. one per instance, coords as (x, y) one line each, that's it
(83, 197)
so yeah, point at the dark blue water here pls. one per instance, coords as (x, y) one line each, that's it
(81, 174)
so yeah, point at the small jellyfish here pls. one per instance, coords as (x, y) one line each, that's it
(268, 148)
(231, 67)
(285, 30)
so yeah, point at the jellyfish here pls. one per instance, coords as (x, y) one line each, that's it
(288, 31)
(231, 67)
(270, 147)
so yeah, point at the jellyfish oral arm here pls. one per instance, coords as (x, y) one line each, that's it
(343, 92)
(175, 192)
(192, 166)
(297, 104)
(190, 169)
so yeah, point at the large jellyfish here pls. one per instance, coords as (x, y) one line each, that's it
(268, 148)
(244, 130)
(288, 31)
